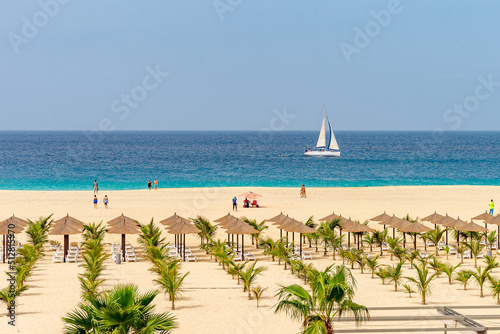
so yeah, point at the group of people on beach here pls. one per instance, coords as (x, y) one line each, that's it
(150, 184)
(105, 200)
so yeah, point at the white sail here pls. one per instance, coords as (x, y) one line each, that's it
(322, 136)
(333, 141)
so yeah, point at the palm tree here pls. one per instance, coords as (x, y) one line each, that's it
(408, 289)
(150, 235)
(370, 240)
(331, 296)
(461, 251)
(463, 276)
(249, 275)
(119, 310)
(362, 260)
(423, 281)
(491, 262)
(258, 226)
(481, 275)
(436, 266)
(475, 248)
(383, 273)
(495, 287)
(170, 281)
(449, 270)
(393, 244)
(326, 234)
(310, 237)
(235, 269)
(396, 274)
(490, 238)
(447, 250)
(257, 292)
(373, 264)
(94, 231)
(435, 236)
(269, 246)
(207, 230)
(380, 237)
(38, 231)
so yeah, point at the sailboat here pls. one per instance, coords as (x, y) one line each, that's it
(324, 148)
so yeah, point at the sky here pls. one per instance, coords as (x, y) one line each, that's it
(249, 65)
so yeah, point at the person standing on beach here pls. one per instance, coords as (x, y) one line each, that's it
(492, 207)
(149, 184)
(105, 201)
(96, 187)
(156, 184)
(235, 204)
(303, 191)
(95, 202)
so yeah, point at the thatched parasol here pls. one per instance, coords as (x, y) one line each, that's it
(279, 220)
(433, 218)
(298, 227)
(66, 226)
(381, 218)
(222, 219)
(393, 222)
(10, 225)
(123, 225)
(172, 221)
(485, 216)
(495, 220)
(329, 217)
(169, 220)
(242, 229)
(414, 227)
(357, 228)
(181, 228)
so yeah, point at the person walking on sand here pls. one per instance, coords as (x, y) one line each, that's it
(156, 184)
(96, 187)
(105, 201)
(235, 204)
(149, 184)
(492, 207)
(303, 191)
(95, 202)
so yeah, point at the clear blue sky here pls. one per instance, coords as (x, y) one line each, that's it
(232, 62)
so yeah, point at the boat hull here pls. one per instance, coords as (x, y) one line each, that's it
(322, 153)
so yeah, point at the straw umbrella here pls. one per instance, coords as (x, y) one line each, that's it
(123, 225)
(13, 224)
(329, 217)
(415, 227)
(294, 226)
(66, 226)
(357, 228)
(484, 217)
(495, 220)
(433, 218)
(226, 222)
(277, 219)
(381, 218)
(446, 221)
(181, 228)
(456, 224)
(242, 229)
(173, 220)
(393, 222)
(471, 227)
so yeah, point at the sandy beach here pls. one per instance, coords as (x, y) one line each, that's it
(212, 301)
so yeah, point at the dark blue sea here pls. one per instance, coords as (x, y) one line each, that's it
(127, 160)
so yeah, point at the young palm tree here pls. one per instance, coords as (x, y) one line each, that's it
(436, 265)
(463, 276)
(310, 237)
(383, 273)
(408, 289)
(258, 226)
(491, 262)
(447, 250)
(331, 296)
(37, 232)
(361, 260)
(412, 256)
(449, 270)
(170, 281)
(393, 244)
(380, 237)
(269, 246)
(423, 281)
(94, 231)
(283, 252)
(257, 292)
(461, 251)
(435, 236)
(490, 238)
(119, 310)
(150, 235)
(372, 264)
(370, 240)
(249, 275)
(235, 269)
(495, 287)
(481, 276)
(327, 235)
(396, 274)
(475, 248)
(207, 230)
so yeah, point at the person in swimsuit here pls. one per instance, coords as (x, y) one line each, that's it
(95, 202)
(156, 184)
(302, 191)
(96, 187)
(149, 184)
(105, 201)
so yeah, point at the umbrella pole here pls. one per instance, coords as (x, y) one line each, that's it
(358, 240)
(446, 237)
(293, 238)
(301, 245)
(458, 238)
(123, 245)
(184, 248)
(404, 239)
(281, 233)
(394, 233)
(287, 238)
(66, 242)
(348, 239)
(415, 241)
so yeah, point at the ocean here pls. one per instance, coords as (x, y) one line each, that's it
(127, 160)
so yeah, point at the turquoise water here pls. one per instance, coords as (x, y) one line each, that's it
(127, 160)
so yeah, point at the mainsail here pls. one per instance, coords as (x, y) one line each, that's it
(333, 141)
(322, 135)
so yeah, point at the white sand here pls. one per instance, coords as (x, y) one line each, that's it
(213, 302)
